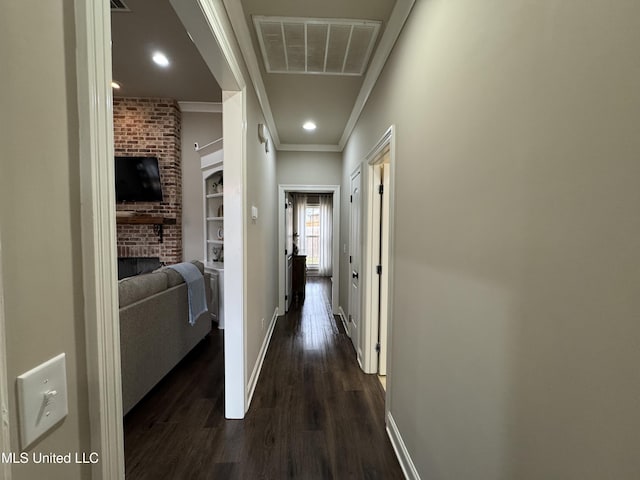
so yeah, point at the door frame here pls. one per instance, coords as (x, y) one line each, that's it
(102, 329)
(357, 342)
(370, 257)
(288, 256)
(5, 439)
(335, 284)
(95, 116)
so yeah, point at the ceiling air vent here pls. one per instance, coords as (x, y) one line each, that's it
(316, 45)
(119, 6)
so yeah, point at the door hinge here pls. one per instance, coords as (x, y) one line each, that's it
(350, 318)
(378, 347)
(351, 198)
(286, 205)
(379, 269)
(285, 251)
(350, 259)
(286, 297)
(380, 189)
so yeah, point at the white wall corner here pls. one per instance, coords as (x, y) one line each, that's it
(257, 368)
(406, 463)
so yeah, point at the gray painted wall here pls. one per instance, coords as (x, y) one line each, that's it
(515, 307)
(201, 128)
(40, 218)
(261, 235)
(309, 168)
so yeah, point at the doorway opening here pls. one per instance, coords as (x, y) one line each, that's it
(378, 259)
(309, 234)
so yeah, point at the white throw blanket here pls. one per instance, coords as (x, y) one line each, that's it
(195, 288)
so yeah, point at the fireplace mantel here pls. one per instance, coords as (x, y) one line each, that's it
(157, 221)
(145, 219)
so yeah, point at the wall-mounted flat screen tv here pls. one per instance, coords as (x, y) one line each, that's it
(138, 179)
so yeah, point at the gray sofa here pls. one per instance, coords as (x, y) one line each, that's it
(154, 329)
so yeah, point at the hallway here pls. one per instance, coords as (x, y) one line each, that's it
(314, 414)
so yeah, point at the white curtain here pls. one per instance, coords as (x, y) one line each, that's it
(325, 254)
(300, 202)
(326, 236)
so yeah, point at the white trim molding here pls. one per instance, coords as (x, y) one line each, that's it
(237, 17)
(391, 33)
(201, 107)
(235, 272)
(209, 28)
(394, 26)
(343, 317)
(370, 244)
(5, 439)
(243, 36)
(406, 463)
(301, 147)
(102, 337)
(257, 368)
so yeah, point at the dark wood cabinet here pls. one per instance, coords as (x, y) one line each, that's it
(299, 277)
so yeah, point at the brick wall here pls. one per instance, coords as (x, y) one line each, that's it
(150, 127)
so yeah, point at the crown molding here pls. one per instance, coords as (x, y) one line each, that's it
(398, 16)
(201, 107)
(292, 147)
(237, 18)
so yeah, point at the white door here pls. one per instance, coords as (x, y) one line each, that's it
(288, 256)
(354, 259)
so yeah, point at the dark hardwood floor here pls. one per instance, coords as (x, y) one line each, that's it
(314, 414)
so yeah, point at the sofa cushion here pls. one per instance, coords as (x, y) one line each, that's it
(134, 289)
(199, 264)
(173, 277)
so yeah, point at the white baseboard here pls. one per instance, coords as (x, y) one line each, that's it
(408, 468)
(343, 317)
(253, 380)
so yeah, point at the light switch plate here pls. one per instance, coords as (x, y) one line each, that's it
(254, 212)
(42, 399)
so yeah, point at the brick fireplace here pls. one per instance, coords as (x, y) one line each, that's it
(150, 127)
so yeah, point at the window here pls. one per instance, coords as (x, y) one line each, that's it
(312, 234)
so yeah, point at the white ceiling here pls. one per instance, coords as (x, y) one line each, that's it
(328, 100)
(152, 25)
(333, 102)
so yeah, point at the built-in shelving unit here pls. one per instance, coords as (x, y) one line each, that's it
(213, 217)
(213, 184)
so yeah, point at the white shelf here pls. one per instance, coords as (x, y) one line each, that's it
(215, 219)
(215, 195)
(216, 242)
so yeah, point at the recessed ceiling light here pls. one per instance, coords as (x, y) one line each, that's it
(160, 59)
(309, 126)
(115, 85)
